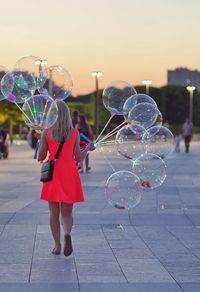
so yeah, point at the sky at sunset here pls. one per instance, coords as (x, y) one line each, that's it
(127, 40)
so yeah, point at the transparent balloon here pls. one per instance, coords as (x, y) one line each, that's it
(143, 114)
(130, 142)
(34, 65)
(159, 141)
(150, 169)
(128, 105)
(18, 85)
(112, 159)
(59, 83)
(115, 94)
(40, 112)
(3, 71)
(141, 98)
(123, 190)
(159, 120)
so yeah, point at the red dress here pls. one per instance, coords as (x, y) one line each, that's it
(66, 184)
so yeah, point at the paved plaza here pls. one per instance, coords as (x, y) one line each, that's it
(153, 247)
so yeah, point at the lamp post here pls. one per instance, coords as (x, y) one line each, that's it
(191, 89)
(97, 74)
(147, 83)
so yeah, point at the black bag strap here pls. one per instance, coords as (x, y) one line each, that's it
(60, 148)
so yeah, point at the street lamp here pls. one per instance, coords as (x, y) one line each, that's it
(191, 89)
(97, 74)
(147, 83)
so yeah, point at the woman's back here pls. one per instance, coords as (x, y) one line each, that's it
(65, 185)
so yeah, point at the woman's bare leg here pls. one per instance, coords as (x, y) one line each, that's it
(67, 218)
(54, 209)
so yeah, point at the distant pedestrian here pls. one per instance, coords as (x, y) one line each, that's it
(75, 118)
(3, 136)
(84, 128)
(65, 188)
(187, 133)
(177, 141)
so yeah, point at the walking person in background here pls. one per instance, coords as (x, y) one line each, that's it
(177, 141)
(84, 128)
(65, 188)
(75, 118)
(3, 136)
(187, 133)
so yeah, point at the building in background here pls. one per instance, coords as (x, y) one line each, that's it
(184, 77)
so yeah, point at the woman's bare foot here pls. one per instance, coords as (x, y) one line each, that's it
(56, 250)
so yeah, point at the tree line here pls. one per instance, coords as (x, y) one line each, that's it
(172, 101)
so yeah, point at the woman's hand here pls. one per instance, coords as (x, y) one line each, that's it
(38, 134)
(92, 147)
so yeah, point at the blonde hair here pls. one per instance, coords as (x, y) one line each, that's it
(63, 125)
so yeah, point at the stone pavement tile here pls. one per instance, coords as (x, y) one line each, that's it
(37, 206)
(94, 257)
(30, 218)
(133, 253)
(100, 218)
(194, 218)
(127, 243)
(13, 256)
(172, 257)
(18, 231)
(15, 205)
(150, 270)
(11, 273)
(39, 287)
(101, 279)
(5, 218)
(17, 240)
(99, 271)
(159, 220)
(195, 251)
(130, 287)
(185, 273)
(56, 270)
(190, 287)
(189, 236)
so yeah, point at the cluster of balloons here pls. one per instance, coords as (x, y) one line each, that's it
(35, 85)
(141, 139)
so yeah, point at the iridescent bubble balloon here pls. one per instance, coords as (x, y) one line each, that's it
(130, 143)
(17, 85)
(3, 71)
(34, 65)
(159, 120)
(123, 190)
(150, 169)
(111, 156)
(141, 98)
(59, 83)
(115, 94)
(128, 105)
(40, 112)
(159, 141)
(143, 114)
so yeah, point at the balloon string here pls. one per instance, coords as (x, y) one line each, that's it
(22, 111)
(107, 136)
(104, 128)
(112, 132)
(31, 112)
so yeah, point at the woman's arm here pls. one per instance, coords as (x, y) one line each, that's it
(43, 149)
(80, 155)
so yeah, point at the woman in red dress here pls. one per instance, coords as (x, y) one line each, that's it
(65, 188)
